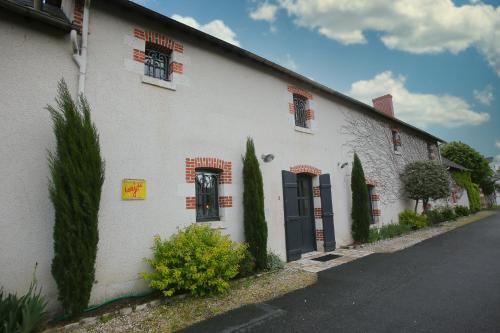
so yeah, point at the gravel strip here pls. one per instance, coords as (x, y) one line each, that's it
(184, 312)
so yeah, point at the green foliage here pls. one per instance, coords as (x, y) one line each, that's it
(388, 231)
(274, 262)
(253, 206)
(462, 211)
(197, 259)
(463, 180)
(360, 207)
(22, 314)
(468, 157)
(425, 180)
(412, 219)
(441, 214)
(247, 265)
(77, 175)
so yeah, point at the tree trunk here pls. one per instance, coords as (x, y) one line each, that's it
(425, 202)
(416, 206)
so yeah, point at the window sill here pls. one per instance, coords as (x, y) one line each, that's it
(213, 224)
(159, 83)
(304, 130)
(397, 152)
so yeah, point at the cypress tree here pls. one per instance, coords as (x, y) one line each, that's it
(360, 207)
(77, 175)
(253, 205)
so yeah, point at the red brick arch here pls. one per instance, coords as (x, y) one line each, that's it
(304, 168)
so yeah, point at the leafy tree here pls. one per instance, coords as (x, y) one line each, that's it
(468, 157)
(360, 213)
(77, 175)
(425, 180)
(253, 205)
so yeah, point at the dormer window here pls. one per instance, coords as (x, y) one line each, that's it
(157, 61)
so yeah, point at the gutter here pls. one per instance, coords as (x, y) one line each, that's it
(80, 49)
(39, 15)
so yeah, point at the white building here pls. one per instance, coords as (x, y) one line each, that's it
(171, 102)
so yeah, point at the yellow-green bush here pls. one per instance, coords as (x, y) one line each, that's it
(197, 259)
(410, 218)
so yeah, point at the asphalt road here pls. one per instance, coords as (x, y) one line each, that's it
(450, 283)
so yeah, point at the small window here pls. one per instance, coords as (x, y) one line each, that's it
(157, 61)
(300, 104)
(207, 195)
(431, 150)
(55, 3)
(396, 140)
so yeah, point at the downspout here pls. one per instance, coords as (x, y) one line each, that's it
(80, 50)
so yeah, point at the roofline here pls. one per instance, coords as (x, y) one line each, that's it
(38, 15)
(252, 56)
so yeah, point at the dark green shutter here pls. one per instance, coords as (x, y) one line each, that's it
(327, 212)
(293, 231)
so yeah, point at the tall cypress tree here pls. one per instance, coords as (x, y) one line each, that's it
(253, 205)
(360, 208)
(77, 175)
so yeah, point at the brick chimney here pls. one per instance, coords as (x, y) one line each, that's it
(384, 104)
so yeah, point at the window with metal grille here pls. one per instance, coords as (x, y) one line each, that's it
(300, 105)
(157, 61)
(396, 140)
(207, 195)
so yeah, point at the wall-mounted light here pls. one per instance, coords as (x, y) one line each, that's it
(267, 158)
(343, 165)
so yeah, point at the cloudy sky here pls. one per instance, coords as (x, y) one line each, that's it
(440, 59)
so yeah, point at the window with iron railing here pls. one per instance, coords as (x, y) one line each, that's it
(300, 105)
(207, 195)
(157, 62)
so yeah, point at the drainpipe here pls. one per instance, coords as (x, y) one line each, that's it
(80, 50)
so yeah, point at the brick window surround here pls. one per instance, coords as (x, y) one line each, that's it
(309, 113)
(225, 168)
(163, 41)
(304, 168)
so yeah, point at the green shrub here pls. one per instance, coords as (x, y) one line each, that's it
(441, 214)
(274, 262)
(247, 265)
(448, 213)
(360, 209)
(388, 231)
(462, 211)
(77, 175)
(412, 219)
(197, 259)
(22, 314)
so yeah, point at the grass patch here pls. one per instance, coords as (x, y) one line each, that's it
(388, 231)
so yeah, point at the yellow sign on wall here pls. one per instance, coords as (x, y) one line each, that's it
(133, 189)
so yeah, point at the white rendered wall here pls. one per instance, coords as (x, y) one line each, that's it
(147, 132)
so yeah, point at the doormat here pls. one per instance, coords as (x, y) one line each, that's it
(328, 257)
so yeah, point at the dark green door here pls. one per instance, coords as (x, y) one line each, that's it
(306, 212)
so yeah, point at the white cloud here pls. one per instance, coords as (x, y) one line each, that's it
(264, 12)
(417, 108)
(288, 62)
(425, 26)
(497, 159)
(484, 96)
(497, 143)
(216, 28)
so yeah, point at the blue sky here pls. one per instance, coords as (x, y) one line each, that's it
(440, 59)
